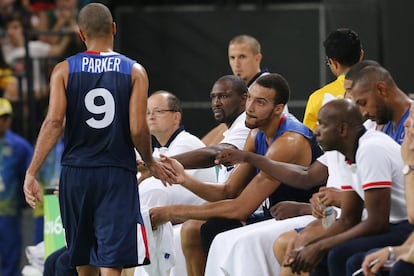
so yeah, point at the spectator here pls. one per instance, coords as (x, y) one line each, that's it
(15, 154)
(60, 21)
(8, 82)
(14, 52)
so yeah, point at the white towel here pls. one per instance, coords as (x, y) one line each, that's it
(36, 255)
(161, 248)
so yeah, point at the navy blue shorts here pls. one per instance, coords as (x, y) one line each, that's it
(101, 215)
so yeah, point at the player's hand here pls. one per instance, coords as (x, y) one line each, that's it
(330, 196)
(380, 255)
(317, 206)
(289, 209)
(143, 170)
(158, 216)
(178, 168)
(307, 258)
(162, 171)
(31, 190)
(229, 157)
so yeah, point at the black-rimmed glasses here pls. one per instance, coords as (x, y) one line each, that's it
(159, 112)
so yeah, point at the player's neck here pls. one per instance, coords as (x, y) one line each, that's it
(99, 45)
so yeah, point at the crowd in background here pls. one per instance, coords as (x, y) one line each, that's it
(34, 36)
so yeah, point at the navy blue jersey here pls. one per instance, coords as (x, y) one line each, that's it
(285, 192)
(97, 129)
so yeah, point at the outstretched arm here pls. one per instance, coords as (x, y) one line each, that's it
(201, 158)
(138, 125)
(291, 174)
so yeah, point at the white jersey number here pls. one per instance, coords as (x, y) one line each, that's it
(108, 108)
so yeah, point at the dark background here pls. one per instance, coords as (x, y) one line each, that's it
(183, 44)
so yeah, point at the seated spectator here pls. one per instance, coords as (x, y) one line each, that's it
(8, 82)
(60, 21)
(14, 52)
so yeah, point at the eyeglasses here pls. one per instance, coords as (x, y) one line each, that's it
(159, 112)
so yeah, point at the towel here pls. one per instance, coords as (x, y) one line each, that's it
(161, 248)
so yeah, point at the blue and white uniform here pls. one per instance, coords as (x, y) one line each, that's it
(98, 189)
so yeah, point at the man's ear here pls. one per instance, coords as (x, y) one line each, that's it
(113, 28)
(279, 109)
(343, 129)
(177, 116)
(381, 89)
(361, 55)
(82, 36)
(259, 57)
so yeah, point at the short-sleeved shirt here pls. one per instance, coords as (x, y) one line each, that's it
(317, 99)
(236, 135)
(378, 165)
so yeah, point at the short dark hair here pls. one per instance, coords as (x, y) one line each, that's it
(95, 20)
(237, 84)
(371, 74)
(278, 83)
(354, 71)
(344, 46)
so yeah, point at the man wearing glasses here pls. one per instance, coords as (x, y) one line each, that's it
(342, 49)
(164, 114)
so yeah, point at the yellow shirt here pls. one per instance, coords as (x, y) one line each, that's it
(333, 90)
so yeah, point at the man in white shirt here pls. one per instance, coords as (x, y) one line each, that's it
(164, 114)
